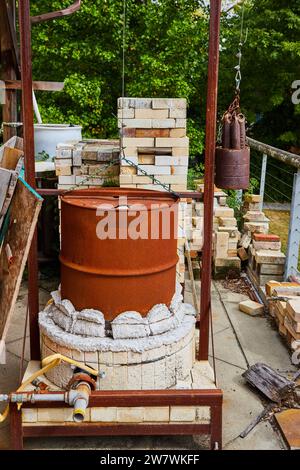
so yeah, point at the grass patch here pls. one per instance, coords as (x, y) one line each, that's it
(279, 225)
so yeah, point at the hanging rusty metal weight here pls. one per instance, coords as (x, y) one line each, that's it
(232, 168)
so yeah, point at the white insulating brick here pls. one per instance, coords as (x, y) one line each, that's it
(77, 355)
(129, 152)
(177, 132)
(179, 170)
(120, 357)
(148, 376)
(128, 170)
(135, 124)
(172, 179)
(132, 159)
(162, 103)
(181, 123)
(222, 240)
(179, 113)
(172, 142)
(160, 373)
(152, 113)
(126, 113)
(106, 357)
(81, 179)
(135, 103)
(126, 179)
(77, 158)
(70, 180)
(138, 142)
(104, 414)
(161, 160)
(180, 152)
(119, 378)
(182, 413)
(91, 358)
(64, 153)
(163, 124)
(134, 377)
(29, 415)
(130, 415)
(64, 162)
(179, 187)
(198, 222)
(155, 170)
(141, 179)
(203, 414)
(171, 368)
(156, 413)
(223, 212)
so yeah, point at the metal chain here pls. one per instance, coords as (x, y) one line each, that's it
(243, 40)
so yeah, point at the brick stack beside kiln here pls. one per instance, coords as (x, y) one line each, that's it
(153, 135)
(89, 163)
(266, 260)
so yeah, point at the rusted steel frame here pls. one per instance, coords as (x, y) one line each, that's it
(36, 85)
(28, 134)
(57, 14)
(59, 192)
(135, 398)
(281, 155)
(16, 428)
(210, 147)
(7, 24)
(216, 427)
(96, 429)
(10, 65)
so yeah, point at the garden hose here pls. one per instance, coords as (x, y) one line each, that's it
(47, 364)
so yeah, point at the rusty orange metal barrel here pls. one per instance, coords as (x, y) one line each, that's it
(133, 266)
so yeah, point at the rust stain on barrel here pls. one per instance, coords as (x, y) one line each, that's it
(232, 168)
(117, 275)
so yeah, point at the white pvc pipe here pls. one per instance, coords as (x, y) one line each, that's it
(36, 109)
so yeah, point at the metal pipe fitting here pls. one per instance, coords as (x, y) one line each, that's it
(79, 399)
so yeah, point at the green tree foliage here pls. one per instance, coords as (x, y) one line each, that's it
(166, 55)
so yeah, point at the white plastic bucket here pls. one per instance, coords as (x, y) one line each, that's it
(47, 136)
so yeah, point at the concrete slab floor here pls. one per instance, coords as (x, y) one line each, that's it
(239, 341)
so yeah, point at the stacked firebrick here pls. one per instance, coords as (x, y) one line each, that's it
(265, 258)
(285, 309)
(89, 163)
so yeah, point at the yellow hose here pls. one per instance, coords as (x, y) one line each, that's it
(47, 364)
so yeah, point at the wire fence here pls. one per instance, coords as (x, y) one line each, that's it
(275, 175)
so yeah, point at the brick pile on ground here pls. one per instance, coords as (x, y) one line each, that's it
(284, 307)
(153, 133)
(89, 163)
(263, 250)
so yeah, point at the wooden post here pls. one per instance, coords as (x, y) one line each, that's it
(210, 147)
(9, 110)
(28, 134)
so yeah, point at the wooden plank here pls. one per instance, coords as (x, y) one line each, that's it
(24, 210)
(37, 85)
(10, 158)
(5, 177)
(273, 385)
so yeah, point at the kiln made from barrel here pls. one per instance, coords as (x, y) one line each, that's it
(118, 273)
